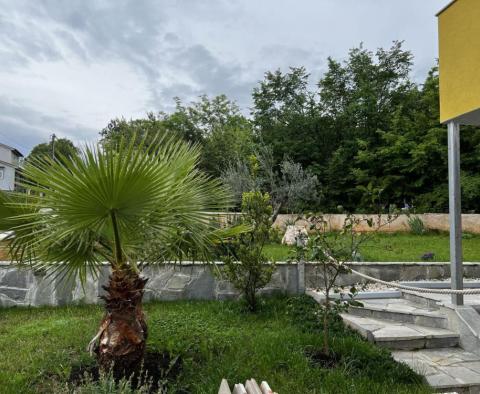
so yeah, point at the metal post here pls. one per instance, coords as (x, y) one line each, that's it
(53, 146)
(455, 211)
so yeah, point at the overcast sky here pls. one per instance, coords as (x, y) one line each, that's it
(70, 66)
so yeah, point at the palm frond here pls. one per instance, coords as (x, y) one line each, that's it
(154, 191)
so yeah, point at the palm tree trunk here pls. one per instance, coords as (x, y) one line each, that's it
(123, 329)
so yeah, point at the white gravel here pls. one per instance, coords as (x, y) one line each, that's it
(373, 287)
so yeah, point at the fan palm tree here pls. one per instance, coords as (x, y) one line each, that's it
(104, 206)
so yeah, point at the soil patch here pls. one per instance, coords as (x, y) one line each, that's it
(319, 358)
(158, 369)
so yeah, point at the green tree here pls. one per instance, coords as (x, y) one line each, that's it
(216, 124)
(63, 147)
(288, 185)
(103, 205)
(287, 118)
(141, 130)
(363, 97)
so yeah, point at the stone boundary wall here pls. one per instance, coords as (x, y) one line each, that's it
(196, 281)
(432, 221)
(168, 282)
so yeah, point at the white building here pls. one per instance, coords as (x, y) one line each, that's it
(9, 166)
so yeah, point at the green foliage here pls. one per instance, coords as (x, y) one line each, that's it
(366, 122)
(416, 225)
(105, 204)
(276, 235)
(246, 266)
(106, 384)
(63, 148)
(307, 314)
(289, 186)
(139, 130)
(216, 124)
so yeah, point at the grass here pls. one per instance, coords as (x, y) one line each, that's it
(215, 339)
(400, 247)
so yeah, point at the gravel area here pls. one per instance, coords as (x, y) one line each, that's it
(373, 287)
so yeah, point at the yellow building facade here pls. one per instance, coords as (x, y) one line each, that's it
(459, 62)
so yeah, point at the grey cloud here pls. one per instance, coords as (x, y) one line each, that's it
(25, 127)
(186, 48)
(210, 75)
(26, 42)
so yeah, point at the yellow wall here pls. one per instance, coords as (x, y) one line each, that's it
(459, 57)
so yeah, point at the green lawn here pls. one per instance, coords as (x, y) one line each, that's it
(401, 247)
(215, 339)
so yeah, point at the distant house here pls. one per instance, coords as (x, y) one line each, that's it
(9, 166)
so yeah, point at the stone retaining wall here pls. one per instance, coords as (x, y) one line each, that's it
(24, 287)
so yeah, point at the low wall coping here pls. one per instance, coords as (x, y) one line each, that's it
(356, 263)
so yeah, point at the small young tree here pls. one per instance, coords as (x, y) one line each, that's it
(246, 267)
(332, 250)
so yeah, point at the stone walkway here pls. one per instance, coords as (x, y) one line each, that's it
(444, 369)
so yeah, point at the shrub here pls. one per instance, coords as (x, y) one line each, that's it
(246, 267)
(416, 225)
(276, 235)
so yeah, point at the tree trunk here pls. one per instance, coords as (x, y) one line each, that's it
(251, 298)
(326, 332)
(276, 211)
(123, 330)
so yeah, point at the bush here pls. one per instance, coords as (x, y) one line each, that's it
(416, 225)
(246, 267)
(276, 235)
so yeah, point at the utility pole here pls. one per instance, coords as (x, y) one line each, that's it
(53, 146)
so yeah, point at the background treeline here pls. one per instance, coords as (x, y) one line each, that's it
(365, 128)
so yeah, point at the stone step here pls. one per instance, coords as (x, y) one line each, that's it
(400, 336)
(446, 370)
(420, 299)
(402, 311)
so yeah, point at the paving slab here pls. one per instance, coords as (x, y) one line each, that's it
(444, 369)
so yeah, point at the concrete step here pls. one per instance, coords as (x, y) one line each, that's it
(420, 299)
(402, 311)
(400, 336)
(446, 370)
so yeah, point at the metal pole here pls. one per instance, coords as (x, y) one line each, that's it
(455, 211)
(53, 146)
